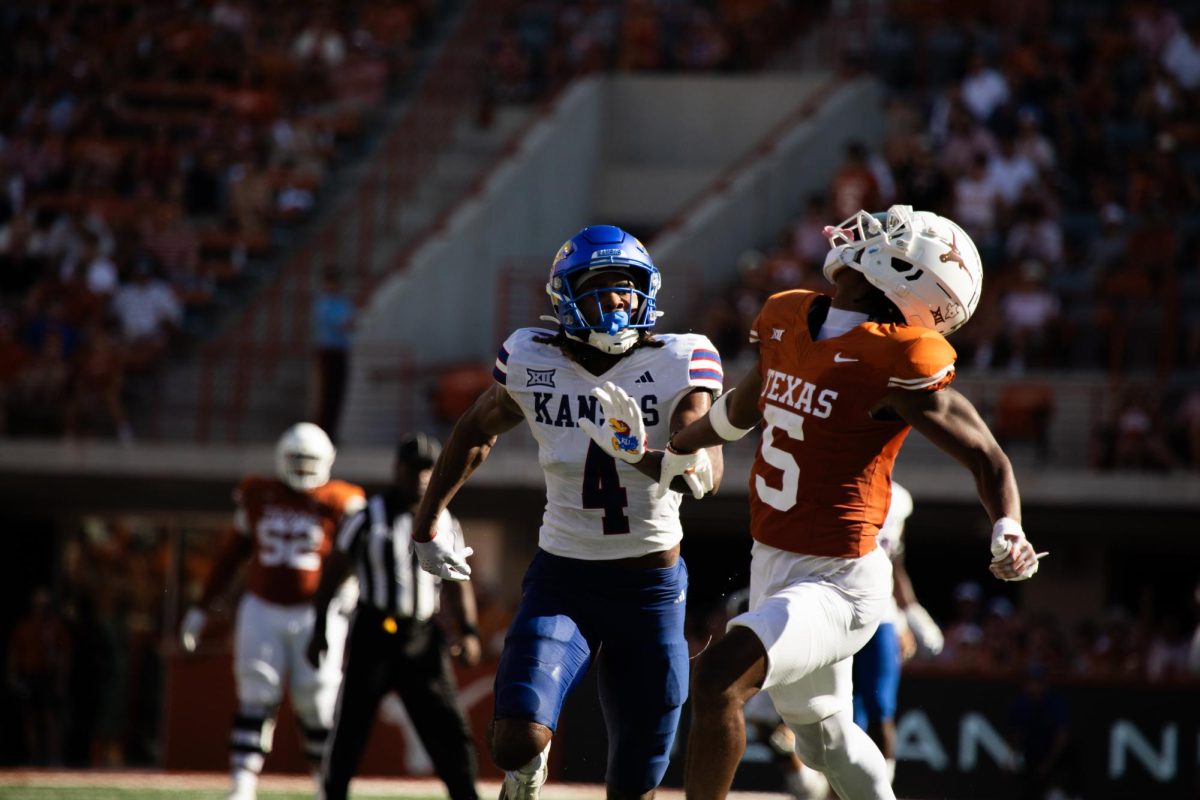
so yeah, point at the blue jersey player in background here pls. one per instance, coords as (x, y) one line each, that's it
(608, 570)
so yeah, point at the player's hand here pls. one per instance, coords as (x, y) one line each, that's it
(1013, 557)
(317, 645)
(621, 432)
(438, 557)
(191, 628)
(468, 650)
(695, 469)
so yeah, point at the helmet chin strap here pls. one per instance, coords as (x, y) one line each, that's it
(612, 343)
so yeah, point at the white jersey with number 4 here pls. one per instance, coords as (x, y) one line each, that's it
(599, 508)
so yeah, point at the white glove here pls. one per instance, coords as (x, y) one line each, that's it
(438, 557)
(926, 632)
(696, 469)
(191, 628)
(1010, 548)
(621, 433)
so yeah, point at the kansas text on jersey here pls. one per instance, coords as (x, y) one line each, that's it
(596, 507)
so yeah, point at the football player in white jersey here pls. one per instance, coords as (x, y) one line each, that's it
(608, 570)
(905, 630)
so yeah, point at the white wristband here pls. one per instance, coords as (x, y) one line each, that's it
(718, 417)
(1003, 527)
(1006, 525)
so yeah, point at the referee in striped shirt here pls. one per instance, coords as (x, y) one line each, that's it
(394, 643)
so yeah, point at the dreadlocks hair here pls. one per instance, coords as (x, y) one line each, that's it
(570, 346)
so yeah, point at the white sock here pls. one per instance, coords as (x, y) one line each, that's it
(891, 768)
(245, 781)
(533, 773)
(806, 784)
(847, 755)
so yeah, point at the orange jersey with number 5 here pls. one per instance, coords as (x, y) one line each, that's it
(821, 481)
(292, 533)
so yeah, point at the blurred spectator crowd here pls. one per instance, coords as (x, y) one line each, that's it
(545, 43)
(990, 636)
(84, 665)
(149, 154)
(1065, 137)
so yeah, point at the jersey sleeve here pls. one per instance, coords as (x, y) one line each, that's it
(348, 499)
(704, 366)
(758, 324)
(500, 368)
(513, 350)
(775, 312)
(925, 364)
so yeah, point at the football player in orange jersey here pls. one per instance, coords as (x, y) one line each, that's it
(285, 527)
(838, 385)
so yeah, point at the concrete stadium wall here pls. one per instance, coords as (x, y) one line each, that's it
(604, 142)
(756, 203)
(654, 163)
(442, 304)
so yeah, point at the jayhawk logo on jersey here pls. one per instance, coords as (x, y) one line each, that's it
(821, 480)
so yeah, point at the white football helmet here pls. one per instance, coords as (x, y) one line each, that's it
(304, 457)
(924, 263)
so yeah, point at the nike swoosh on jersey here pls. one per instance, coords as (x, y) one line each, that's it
(839, 359)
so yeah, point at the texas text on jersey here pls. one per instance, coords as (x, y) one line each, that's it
(817, 401)
(292, 532)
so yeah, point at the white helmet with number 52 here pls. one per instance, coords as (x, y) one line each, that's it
(304, 457)
(924, 263)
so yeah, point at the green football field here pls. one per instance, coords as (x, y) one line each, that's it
(154, 785)
(96, 793)
(151, 785)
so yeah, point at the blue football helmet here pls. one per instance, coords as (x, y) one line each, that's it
(601, 248)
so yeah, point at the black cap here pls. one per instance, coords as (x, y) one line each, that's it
(418, 450)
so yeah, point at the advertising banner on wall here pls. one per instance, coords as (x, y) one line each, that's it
(956, 737)
(960, 738)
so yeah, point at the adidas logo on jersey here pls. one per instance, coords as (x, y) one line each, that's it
(645, 377)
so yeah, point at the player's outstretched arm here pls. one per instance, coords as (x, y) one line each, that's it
(737, 415)
(693, 408)
(236, 548)
(926, 633)
(469, 445)
(951, 422)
